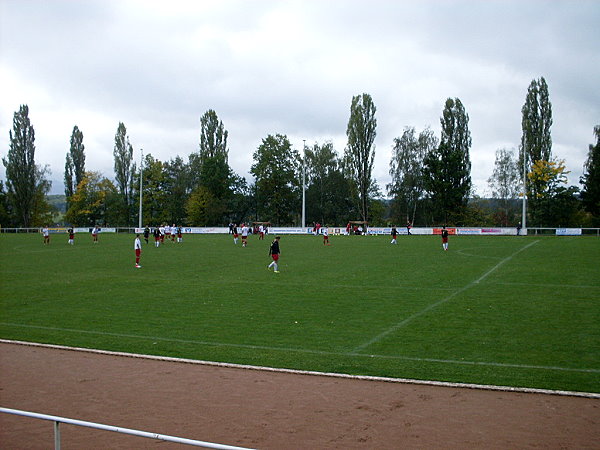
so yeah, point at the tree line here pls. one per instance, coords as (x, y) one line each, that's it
(430, 178)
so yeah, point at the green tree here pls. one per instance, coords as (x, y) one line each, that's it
(213, 136)
(75, 163)
(447, 168)
(276, 169)
(328, 194)
(406, 170)
(360, 150)
(553, 204)
(5, 220)
(175, 187)
(590, 194)
(505, 183)
(93, 202)
(124, 171)
(26, 182)
(536, 140)
(155, 193)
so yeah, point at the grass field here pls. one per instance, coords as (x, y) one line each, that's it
(513, 311)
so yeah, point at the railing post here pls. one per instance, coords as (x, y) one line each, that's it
(56, 435)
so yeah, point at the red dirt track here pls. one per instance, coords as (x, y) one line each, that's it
(269, 410)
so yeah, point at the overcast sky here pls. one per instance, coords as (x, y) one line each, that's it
(292, 67)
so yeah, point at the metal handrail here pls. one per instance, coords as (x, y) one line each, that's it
(82, 423)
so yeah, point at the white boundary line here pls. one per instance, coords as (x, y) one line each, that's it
(400, 324)
(313, 373)
(308, 351)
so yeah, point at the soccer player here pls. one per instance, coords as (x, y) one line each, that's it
(162, 234)
(235, 233)
(157, 236)
(46, 234)
(444, 238)
(95, 234)
(174, 233)
(146, 233)
(408, 227)
(274, 252)
(71, 236)
(244, 235)
(261, 233)
(394, 235)
(325, 232)
(137, 246)
(179, 238)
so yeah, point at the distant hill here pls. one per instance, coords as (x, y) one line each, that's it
(59, 202)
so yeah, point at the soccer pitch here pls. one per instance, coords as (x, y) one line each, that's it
(510, 311)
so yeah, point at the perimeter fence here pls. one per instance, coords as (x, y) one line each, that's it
(145, 434)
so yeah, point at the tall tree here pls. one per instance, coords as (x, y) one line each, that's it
(124, 170)
(276, 169)
(536, 140)
(210, 177)
(213, 136)
(406, 171)
(26, 182)
(590, 195)
(360, 151)
(328, 194)
(447, 168)
(505, 181)
(70, 184)
(75, 163)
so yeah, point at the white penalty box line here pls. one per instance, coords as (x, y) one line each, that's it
(409, 319)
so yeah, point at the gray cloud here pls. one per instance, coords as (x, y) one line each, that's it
(292, 67)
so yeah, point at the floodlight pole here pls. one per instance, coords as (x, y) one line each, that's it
(303, 184)
(141, 174)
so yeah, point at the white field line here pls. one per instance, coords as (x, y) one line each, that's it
(409, 319)
(313, 373)
(308, 351)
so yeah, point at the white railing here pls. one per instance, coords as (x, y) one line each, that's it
(58, 420)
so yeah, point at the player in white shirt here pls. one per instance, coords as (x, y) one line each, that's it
(244, 235)
(325, 233)
(137, 246)
(46, 234)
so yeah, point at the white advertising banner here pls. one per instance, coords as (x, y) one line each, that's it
(568, 231)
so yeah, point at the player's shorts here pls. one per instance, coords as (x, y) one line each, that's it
(275, 256)
(138, 252)
(444, 240)
(71, 236)
(244, 238)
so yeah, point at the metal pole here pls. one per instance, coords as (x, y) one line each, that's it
(141, 174)
(303, 184)
(56, 435)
